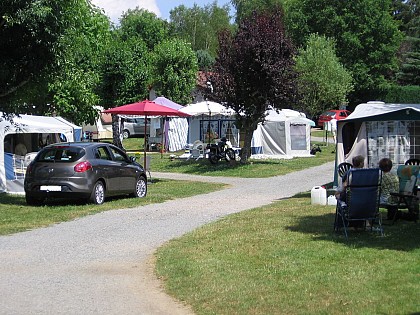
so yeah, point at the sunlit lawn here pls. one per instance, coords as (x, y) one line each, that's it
(285, 259)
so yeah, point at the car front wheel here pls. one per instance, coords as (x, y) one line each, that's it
(125, 134)
(140, 190)
(98, 193)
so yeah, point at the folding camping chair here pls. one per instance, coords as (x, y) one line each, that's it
(362, 200)
(197, 150)
(407, 195)
(342, 168)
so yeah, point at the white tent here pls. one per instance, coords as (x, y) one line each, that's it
(21, 140)
(175, 128)
(377, 130)
(210, 121)
(285, 134)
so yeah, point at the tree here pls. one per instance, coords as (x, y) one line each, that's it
(74, 87)
(255, 70)
(200, 26)
(30, 34)
(125, 73)
(245, 8)
(367, 38)
(409, 73)
(407, 13)
(174, 70)
(323, 81)
(140, 23)
(205, 60)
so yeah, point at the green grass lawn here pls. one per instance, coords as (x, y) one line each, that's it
(285, 259)
(256, 168)
(17, 216)
(321, 133)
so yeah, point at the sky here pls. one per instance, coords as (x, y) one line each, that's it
(114, 8)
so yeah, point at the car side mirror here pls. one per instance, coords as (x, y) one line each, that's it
(132, 159)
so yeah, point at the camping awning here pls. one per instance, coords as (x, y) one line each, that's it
(380, 111)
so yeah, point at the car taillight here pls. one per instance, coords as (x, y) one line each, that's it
(82, 167)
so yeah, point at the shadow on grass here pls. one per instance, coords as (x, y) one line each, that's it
(402, 236)
(199, 167)
(11, 199)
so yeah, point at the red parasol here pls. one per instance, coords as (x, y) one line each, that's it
(146, 108)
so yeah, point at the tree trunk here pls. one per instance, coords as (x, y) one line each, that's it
(246, 150)
(116, 135)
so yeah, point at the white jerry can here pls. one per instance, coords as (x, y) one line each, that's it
(318, 195)
(331, 200)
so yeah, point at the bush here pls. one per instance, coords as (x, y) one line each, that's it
(409, 94)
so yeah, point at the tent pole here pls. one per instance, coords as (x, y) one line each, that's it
(163, 138)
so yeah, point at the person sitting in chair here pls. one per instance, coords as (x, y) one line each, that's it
(390, 184)
(358, 161)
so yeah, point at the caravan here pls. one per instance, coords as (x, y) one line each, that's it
(23, 138)
(102, 129)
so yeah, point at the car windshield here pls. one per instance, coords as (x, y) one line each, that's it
(60, 154)
(329, 114)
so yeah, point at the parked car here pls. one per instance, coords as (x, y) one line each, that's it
(83, 170)
(328, 115)
(135, 127)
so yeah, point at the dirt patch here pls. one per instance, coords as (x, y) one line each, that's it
(152, 289)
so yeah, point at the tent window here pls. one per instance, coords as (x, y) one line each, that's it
(397, 140)
(298, 136)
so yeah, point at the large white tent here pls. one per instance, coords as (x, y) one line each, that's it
(377, 130)
(284, 134)
(211, 120)
(23, 138)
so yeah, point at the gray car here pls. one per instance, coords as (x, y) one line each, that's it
(135, 127)
(83, 170)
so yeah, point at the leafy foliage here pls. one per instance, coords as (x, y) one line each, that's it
(31, 33)
(74, 86)
(200, 26)
(204, 59)
(407, 94)
(244, 8)
(407, 13)
(174, 70)
(255, 70)
(323, 82)
(140, 23)
(125, 73)
(367, 37)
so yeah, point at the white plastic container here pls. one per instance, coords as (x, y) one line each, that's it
(318, 196)
(331, 200)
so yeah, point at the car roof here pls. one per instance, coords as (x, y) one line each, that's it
(79, 144)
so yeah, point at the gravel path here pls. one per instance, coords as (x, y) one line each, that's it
(100, 264)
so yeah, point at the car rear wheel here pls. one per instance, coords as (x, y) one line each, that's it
(33, 201)
(140, 190)
(98, 193)
(125, 134)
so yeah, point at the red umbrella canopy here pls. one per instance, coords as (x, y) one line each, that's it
(146, 108)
